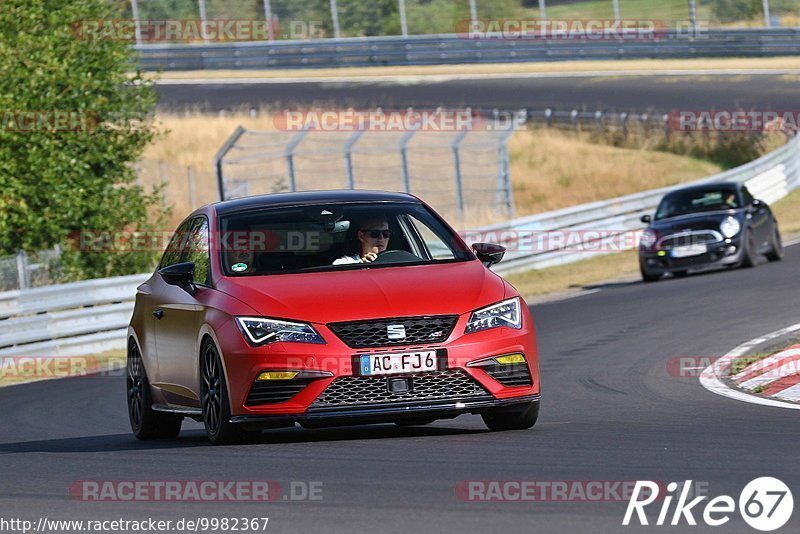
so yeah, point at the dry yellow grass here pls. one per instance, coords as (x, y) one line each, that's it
(594, 270)
(552, 169)
(549, 169)
(787, 211)
(776, 63)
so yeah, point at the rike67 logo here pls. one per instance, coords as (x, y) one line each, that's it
(765, 504)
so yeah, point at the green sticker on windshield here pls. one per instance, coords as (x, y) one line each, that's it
(239, 267)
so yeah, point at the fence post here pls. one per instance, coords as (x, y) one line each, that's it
(767, 18)
(190, 177)
(457, 169)
(403, 22)
(23, 276)
(616, 10)
(289, 155)
(473, 10)
(693, 16)
(542, 10)
(268, 16)
(504, 174)
(162, 176)
(335, 19)
(201, 4)
(137, 25)
(348, 157)
(223, 151)
(404, 159)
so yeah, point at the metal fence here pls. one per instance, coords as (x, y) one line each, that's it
(23, 271)
(290, 19)
(464, 174)
(453, 49)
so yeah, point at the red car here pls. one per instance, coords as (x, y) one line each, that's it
(326, 308)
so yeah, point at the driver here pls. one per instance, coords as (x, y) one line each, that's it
(373, 235)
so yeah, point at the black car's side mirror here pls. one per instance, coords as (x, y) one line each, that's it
(489, 253)
(180, 274)
(757, 204)
(647, 219)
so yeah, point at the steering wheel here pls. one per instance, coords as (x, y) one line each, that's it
(396, 256)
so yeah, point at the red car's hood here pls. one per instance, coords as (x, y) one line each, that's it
(371, 293)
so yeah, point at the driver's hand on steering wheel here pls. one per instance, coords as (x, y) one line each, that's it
(372, 255)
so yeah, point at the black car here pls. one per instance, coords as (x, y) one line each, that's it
(711, 225)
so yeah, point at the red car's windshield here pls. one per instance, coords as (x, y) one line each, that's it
(334, 237)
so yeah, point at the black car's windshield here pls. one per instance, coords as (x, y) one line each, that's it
(334, 237)
(693, 201)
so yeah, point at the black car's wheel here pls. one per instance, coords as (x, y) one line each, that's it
(749, 252)
(776, 246)
(512, 418)
(415, 422)
(146, 423)
(647, 276)
(215, 401)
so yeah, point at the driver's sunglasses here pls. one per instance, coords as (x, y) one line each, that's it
(375, 234)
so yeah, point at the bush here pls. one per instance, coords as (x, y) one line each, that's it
(56, 182)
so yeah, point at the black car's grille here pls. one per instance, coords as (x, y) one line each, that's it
(509, 375)
(689, 238)
(272, 391)
(452, 384)
(365, 334)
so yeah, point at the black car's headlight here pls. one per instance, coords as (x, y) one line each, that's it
(260, 331)
(505, 313)
(730, 227)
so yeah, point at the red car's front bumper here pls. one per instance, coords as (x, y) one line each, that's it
(244, 363)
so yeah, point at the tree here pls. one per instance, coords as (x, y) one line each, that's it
(60, 179)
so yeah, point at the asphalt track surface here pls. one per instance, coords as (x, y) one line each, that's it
(611, 412)
(620, 93)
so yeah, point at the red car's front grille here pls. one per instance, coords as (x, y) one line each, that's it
(451, 384)
(376, 333)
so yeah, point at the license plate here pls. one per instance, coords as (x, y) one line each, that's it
(406, 362)
(689, 250)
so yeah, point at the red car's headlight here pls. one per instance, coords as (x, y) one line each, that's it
(505, 313)
(260, 331)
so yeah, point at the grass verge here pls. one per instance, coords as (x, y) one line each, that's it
(622, 66)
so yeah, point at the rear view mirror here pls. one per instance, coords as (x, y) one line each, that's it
(489, 253)
(179, 274)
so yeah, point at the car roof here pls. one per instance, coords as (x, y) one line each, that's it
(310, 197)
(707, 187)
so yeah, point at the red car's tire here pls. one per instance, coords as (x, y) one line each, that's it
(512, 418)
(215, 401)
(146, 423)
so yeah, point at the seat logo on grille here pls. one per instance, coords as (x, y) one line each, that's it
(395, 331)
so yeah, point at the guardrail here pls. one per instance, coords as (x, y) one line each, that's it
(67, 319)
(589, 226)
(92, 316)
(452, 48)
